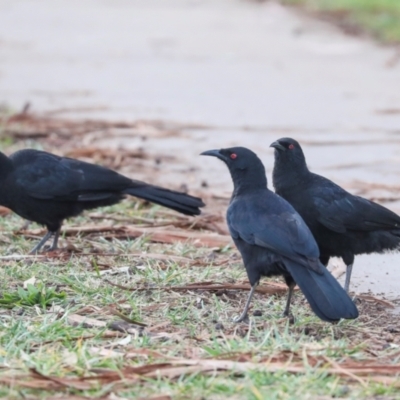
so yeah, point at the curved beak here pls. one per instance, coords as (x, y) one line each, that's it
(277, 146)
(213, 153)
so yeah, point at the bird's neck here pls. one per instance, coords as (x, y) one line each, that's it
(285, 177)
(248, 183)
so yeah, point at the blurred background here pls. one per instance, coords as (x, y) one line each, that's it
(144, 86)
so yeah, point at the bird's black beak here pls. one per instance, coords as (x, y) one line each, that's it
(277, 146)
(213, 153)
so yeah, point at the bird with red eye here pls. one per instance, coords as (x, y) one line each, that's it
(284, 144)
(274, 240)
(343, 225)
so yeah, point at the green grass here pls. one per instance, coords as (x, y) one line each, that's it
(40, 295)
(38, 335)
(378, 17)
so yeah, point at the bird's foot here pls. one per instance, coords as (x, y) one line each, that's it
(42, 242)
(241, 318)
(353, 297)
(289, 316)
(43, 249)
(50, 248)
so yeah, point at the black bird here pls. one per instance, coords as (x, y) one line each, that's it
(274, 240)
(342, 224)
(47, 189)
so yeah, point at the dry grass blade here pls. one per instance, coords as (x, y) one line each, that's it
(179, 259)
(161, 397)
(75, 383)
(374, 299)
(75, 319)
(171, 235)
(74, 397)
(350, 370)
(177, 368)
(125, 326)
(16, 257)
(210, 286)
(27, 381)
(126, 319)
(147, 353)
(96, 152)
(345, 371)
(209, 222)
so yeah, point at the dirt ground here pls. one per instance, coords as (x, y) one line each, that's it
(189, 309)
(87, 140)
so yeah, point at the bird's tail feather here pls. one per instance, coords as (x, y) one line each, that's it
(181, 202)
(326, 297)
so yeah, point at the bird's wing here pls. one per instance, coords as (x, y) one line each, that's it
(47, 176)
(340, 211)
(279, 229)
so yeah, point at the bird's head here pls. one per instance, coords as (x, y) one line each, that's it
(244, 165)
(288, 152)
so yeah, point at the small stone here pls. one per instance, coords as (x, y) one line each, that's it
(388, 337)
(343, 390)
(219, 326)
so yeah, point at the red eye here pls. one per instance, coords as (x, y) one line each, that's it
(291, 146)
(233, 156)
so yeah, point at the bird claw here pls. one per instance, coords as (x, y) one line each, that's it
(290, 317)
(50, 248)
(241, 318)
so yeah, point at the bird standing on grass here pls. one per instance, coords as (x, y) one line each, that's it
(274, 240)
(47, 189)
(342, 224)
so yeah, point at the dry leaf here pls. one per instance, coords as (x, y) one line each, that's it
(30, 281)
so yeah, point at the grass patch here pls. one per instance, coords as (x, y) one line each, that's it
(381, 18)
(84, 344)
(73, 331)
(40, 295)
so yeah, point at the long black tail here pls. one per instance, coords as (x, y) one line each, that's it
(181, 202)
(326, 297)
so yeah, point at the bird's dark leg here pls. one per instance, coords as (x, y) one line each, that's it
(243, 316)
(55, 240)
(349, 269)
(42, 242)
(291, 284)
(348, 259)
